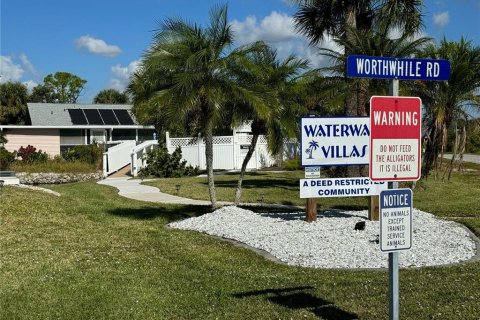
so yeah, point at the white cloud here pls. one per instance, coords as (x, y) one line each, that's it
(9, 71)
(122, 75)
(28, 65)
(30, 84)
(278, 30)
(394, 33)
(97, 46)
(273, 28)
(397, 33)
(441, 19)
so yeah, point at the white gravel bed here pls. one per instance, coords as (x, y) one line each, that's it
(331, 241)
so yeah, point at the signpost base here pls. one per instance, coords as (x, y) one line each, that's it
(311, 210)
(373, 208)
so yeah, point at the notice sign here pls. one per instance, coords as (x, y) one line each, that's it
(395, 144)
(340, 187)
(312, 172)
(395, 219)
(334, 141)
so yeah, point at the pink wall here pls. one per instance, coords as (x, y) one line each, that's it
(48, 140)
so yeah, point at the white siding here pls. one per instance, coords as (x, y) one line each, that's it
(47, 140)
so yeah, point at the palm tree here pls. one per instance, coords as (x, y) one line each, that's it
(184, 77)
(280, 83)
(318, 19)
(374, 42)
(445, 102)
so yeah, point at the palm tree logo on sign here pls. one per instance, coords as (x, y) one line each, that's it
(312, 145)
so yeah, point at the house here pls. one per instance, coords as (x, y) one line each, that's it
(56, 127)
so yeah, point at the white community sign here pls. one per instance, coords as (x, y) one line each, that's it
(340, 187)
(338, 141)
(334, 141)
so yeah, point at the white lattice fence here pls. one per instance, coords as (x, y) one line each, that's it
(228, 151)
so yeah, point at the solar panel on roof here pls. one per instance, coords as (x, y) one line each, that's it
(77, 116)
(108, 116)
(93, 116)
(123, 117)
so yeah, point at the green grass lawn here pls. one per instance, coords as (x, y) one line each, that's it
(91, 254)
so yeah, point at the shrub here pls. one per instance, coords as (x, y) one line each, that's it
(31, 155)
(3, 139)
(6, 158)
(55, 166)
(473, 142)
(89, 153)
(292, 165)
(164, 165)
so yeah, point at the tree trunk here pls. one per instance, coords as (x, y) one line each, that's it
(463, 143)
(351, 100)
(280, 156)
(444, 144)
(362, 97)
(209, 159)
(432, 150)
(248, 156)
(449, 168)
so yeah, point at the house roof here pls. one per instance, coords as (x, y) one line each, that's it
(57, 114)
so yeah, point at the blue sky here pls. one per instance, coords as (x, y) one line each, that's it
(102, 41)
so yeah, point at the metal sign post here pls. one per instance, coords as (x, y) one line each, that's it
(395, 69)
(393, 276)
(393, 286)
(395, 235)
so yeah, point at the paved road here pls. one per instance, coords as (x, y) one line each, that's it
(475, 158)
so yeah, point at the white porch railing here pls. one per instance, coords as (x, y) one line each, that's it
(117, 157)
(137, 155)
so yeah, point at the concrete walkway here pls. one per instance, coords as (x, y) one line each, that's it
(133, 189)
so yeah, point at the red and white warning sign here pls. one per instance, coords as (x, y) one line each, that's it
(395, 138)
